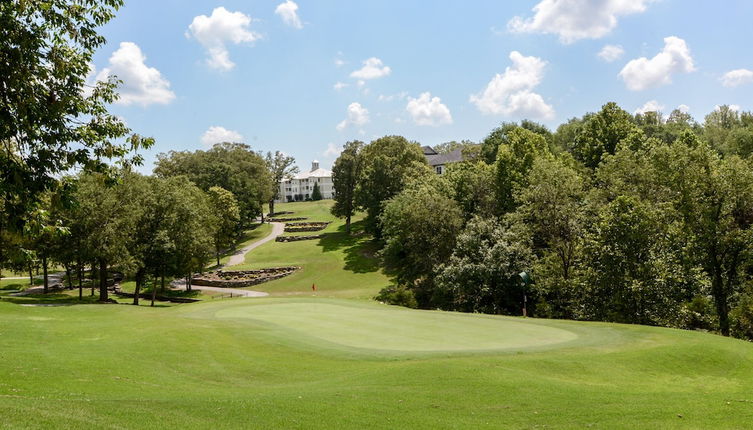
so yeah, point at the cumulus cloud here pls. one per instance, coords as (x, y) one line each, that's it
(428, 110)
(737, 77)
(373, 68)
(332, 150)
(683, 108)
(288, 11)
(142, 84)
(217, 134)
(510, 93)
(611, 53)
(216, 31)
(649, 106)
(573, 20)
(643, 73)
(356, 115)
(339, 85)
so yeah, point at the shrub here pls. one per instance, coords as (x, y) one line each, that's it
(397, 295)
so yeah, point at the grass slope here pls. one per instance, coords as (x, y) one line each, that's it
(278, 363)
(340, 265)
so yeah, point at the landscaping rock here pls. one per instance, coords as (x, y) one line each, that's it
(297, 238)
(242, 278)
(305, 226)
(286, 219)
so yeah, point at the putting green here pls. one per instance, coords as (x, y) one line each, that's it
(397, 329)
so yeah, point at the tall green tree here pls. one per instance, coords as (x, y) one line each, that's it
(224, 208)
(389, 164)
(345, 175)
(601, 133)
(51, 120)
(514, 160)
(281, 167)
(501, 136)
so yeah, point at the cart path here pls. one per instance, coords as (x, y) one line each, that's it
(180, 284)
(239, 257)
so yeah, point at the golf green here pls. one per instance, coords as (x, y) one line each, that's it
(397, 329)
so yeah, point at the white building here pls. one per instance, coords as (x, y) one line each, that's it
(302, 185)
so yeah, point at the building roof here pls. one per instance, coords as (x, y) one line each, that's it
(435, 159)
(318, 173)
(428, 150)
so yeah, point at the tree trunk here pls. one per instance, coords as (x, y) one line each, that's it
(139, 281)
(46, 279)
(102, 280)
(68, 275)
(154, 290)
(720, 299)
(347, 225)
(92, 277)
(271, 207)
(31, 275)
(80, 269)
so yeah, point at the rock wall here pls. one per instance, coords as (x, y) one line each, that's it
(305, 226)
(297, 238)
(286, 219)
(242, 278)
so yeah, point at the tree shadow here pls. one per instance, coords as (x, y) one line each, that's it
(360, 251)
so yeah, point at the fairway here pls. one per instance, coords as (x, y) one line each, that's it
(397, 329)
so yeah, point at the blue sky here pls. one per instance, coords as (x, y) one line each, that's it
(432, 71)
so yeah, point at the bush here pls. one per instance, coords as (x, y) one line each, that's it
(397, 295)
(697, 314)
(742, 317)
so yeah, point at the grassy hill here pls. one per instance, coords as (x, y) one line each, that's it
(296, 360)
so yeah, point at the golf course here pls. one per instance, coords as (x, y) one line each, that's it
(336, 358)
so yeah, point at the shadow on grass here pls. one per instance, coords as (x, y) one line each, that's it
(360, 252)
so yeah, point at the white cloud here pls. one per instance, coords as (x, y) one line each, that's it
(373, 68)
(339, 85)
(216, 31)
(649, 106)
(288, 11)
(683, 108)
(573, 20)
(428, 110)
(332, 150)
(611, 53)
(510, 93)
(643, 73)
(217, 134)
(141, 84)
(737, 77)
(357, 115)
(388, 98)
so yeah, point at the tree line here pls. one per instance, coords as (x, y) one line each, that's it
(615, 217)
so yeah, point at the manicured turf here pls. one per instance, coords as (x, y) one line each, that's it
(229, 364)
(318, 362)
(340, 265)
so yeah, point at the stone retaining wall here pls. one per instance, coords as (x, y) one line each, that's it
(297, 238)
(286, 219)
(242, 278)
(305, 226)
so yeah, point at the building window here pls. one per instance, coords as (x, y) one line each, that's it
(439, 170)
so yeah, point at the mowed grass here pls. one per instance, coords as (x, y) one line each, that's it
(339, 265)
(296, 363)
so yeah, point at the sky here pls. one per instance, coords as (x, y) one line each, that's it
(305, 76)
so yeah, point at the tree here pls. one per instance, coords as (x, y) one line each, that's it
(389, 164)
(51, 121)
(482, 273)
(514, 160)
(232, 166)
(500, 136)
(552, 208)
(280, 168)
(601, 133)
(419, 227)
(471, 184)
(345, 174)
(225, 210)
(316, 194)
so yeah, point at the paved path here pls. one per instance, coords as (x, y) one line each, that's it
(239, 257)
(236, 259)
(52, 279)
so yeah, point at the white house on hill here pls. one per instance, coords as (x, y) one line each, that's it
(302, 185)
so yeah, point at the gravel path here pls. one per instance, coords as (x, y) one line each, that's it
(239, 257)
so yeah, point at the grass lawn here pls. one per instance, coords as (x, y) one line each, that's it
(340, 265)
(305, 361)
(329, 363)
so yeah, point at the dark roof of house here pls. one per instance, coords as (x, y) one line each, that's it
(428, 150)
(435, 159)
